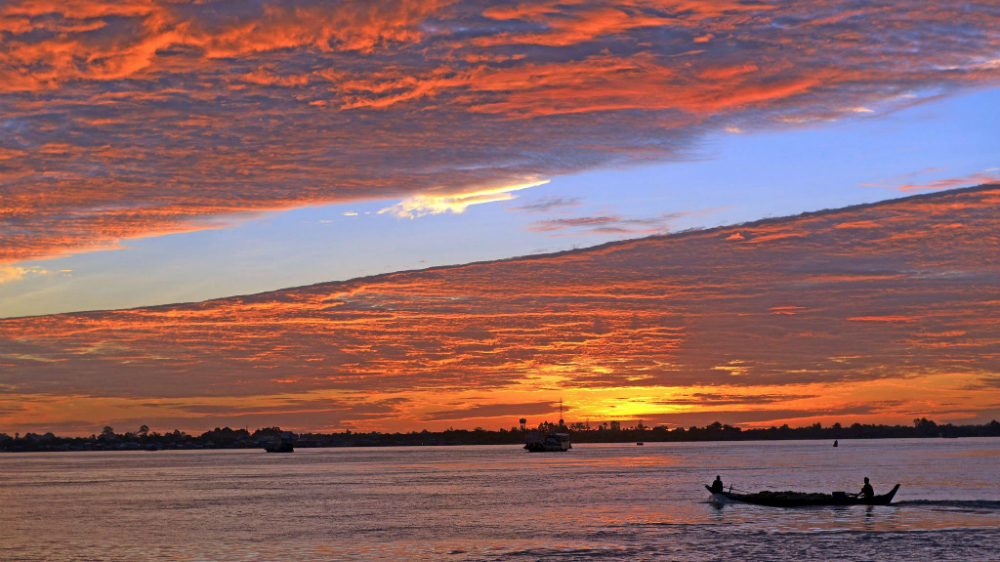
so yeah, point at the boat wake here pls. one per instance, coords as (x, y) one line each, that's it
(976, 505)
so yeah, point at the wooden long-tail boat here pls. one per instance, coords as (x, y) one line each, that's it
(802, 499)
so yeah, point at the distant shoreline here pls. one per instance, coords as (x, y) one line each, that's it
(227, 438)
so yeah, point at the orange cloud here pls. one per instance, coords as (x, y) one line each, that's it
(910, 182)
(952, 183)
(832, 319)
(610, 224)
(142, 117)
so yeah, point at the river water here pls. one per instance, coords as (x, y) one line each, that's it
(596, 502)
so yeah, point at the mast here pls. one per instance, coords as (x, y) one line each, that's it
(561, 423)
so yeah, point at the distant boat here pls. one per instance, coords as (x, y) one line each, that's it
(281, 447)
(639, 444)
(551, 443)
(835, 443)
(283, 443)
(802, 499)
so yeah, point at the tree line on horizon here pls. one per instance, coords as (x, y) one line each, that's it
(607, 432)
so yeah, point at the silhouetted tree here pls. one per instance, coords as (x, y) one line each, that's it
(926, 428)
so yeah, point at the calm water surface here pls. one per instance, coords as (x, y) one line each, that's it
(596, 502)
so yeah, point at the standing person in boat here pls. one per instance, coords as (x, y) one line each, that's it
(867, 491)
(717, 485)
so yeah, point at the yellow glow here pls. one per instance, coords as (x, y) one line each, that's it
(420, 205)
(13, 272)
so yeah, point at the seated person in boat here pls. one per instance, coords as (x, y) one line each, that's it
(867, 491)
(717, 485)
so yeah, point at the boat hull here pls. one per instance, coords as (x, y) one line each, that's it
(799, 499)
(547, 447)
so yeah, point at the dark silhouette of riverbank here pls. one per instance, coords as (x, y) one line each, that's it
(227, 438)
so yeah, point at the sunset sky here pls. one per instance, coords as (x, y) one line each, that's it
(166, 151)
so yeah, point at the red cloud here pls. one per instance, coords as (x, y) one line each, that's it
(127, 119)
(666, 314)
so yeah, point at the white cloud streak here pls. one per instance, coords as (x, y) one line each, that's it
(422, 205)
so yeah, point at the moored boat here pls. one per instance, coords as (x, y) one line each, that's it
(551, 443)
(802, 499)
(284, 443)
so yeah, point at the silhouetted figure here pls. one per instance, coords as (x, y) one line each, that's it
(717, 485)
(867, 491)
(835, 444)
